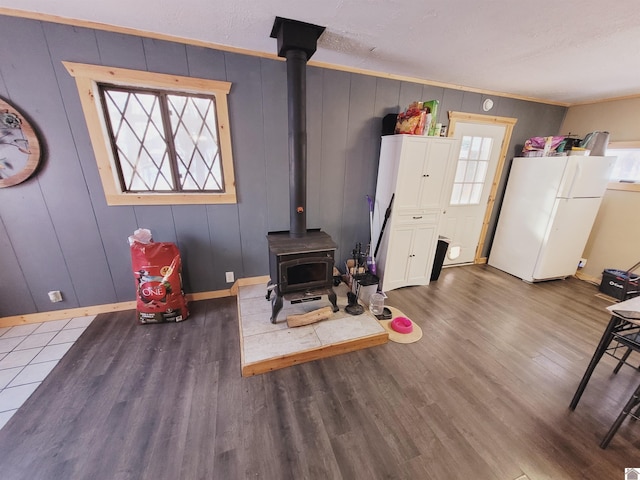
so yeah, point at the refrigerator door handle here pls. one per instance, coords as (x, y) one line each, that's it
(576, 175)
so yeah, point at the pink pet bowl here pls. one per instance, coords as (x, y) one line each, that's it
(402, 325)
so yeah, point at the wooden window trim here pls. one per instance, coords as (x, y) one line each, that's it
(88, 77)
(623, 186)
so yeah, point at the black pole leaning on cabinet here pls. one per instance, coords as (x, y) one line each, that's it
(387, 214)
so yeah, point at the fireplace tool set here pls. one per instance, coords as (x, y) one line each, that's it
(359, 261)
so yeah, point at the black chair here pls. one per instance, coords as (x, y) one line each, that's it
(629, 339)
(620, 338)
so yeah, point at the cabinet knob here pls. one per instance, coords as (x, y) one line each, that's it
(417, 218)
(425, 175)
(411, 256)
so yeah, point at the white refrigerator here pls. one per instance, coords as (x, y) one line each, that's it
(548, 210)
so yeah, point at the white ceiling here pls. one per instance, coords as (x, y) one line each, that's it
(568, 51)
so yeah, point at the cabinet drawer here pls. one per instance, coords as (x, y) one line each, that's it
(406, 218)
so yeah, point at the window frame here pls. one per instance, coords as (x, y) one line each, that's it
(618, 185)
(88, 77)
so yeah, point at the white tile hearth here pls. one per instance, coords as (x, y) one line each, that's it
(265, 343)
(346, 327)
(280, 342)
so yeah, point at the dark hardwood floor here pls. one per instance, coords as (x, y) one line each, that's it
(483, 395)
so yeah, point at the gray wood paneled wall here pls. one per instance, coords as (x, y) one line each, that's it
(57, 232)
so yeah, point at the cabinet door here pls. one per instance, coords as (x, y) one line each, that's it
(410, 182)
(434, 175)
(423, 173)
(421, 256)
(397, 260)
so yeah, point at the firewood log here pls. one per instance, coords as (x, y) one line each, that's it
(309, 317)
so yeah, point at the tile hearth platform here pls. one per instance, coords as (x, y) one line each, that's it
(265, 346)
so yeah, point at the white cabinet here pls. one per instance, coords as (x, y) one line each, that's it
(409, 258)
(418, 173)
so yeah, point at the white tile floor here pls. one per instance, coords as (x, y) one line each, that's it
(28, 353)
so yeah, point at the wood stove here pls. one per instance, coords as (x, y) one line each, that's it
(300, 261)
(301, 269)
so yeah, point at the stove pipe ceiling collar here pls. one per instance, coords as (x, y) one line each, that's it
(293, 34)
(297, 43)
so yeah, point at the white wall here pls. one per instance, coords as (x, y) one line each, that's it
(613, 242)
(621, 118)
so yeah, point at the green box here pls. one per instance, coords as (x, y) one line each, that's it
(432, 105)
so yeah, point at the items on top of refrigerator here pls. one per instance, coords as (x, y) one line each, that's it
(596, 142)
(544, 146)
(419, 119)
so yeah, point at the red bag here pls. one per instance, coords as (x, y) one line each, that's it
(411, 122)
(158, 271)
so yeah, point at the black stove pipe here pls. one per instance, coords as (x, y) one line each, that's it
(297, 100)
(297, 42)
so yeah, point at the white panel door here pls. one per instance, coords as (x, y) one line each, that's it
(480, 147)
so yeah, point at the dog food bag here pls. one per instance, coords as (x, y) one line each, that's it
(158, 272)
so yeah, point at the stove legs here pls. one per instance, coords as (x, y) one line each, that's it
(333, 299)
(277, 299)
(276, 303)
(270, 287)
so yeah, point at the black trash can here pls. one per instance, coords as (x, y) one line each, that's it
(438, 260)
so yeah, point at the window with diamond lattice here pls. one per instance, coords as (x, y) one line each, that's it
(471, 170)
(158, 139)
(163, 142)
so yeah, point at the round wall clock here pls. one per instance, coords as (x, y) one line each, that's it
(19, 147)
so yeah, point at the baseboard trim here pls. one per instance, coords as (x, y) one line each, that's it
(117, 307)
(67, 313)
(243, 282)
(588, 278)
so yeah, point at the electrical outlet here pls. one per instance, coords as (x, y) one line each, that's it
(229, 276)
(582, 262)
(55, 296)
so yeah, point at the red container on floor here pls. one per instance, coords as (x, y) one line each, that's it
(157, 268)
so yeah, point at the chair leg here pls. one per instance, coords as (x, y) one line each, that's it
(633, 401)
(622, 360)
(605, 340)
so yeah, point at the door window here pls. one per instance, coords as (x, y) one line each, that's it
(471, 170)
